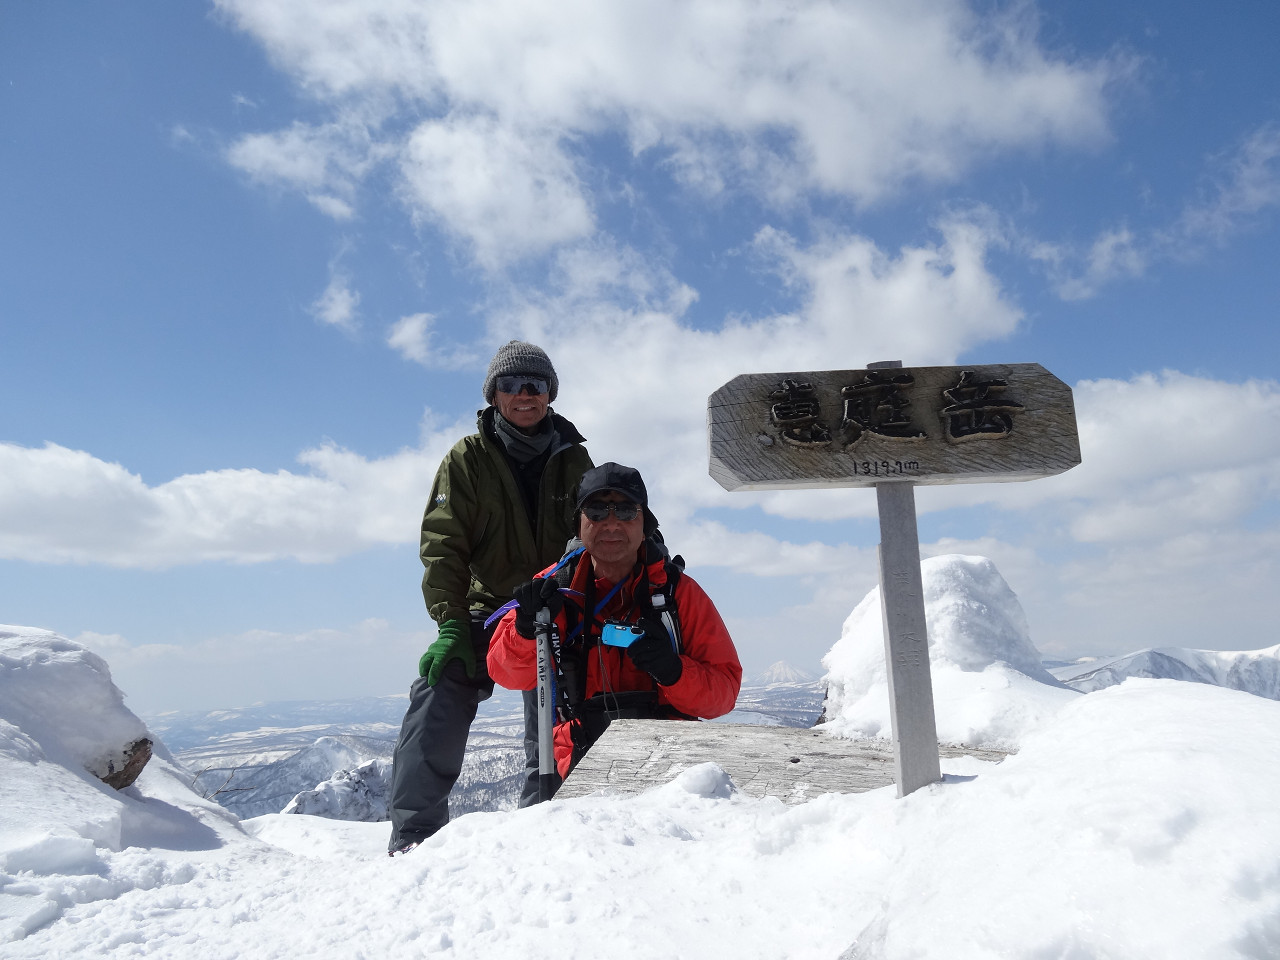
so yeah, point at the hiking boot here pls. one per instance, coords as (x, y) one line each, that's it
(403, 848)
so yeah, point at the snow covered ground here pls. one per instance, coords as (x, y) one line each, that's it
(1135, 821)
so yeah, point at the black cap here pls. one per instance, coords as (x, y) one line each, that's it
(624, 480)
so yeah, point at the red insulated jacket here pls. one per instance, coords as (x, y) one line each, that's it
(708, 686)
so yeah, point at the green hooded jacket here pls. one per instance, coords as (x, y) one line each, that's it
(477, 544)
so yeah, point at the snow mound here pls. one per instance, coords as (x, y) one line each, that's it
(62, 721)
(989, 686)
(61, 695)
(1250, 671)
(362, 794)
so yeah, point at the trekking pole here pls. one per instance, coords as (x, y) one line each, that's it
(546, 707)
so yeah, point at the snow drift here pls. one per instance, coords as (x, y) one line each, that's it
(989, 687)
(49, 684)
(62, 722)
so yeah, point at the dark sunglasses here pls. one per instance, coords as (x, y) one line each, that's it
(597, 510)
(516, 385)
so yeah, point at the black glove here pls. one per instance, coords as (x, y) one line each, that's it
(654, 654)
(532, 597)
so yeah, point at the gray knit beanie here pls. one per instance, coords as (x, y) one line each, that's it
(517, 357)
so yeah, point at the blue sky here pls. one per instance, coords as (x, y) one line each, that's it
(255, 255)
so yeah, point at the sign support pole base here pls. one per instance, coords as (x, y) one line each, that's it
(906, 641)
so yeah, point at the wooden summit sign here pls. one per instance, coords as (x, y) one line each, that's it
(858, 428)
(892, 427)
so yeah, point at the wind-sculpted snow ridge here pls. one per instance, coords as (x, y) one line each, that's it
(989, 687)
(1250, 671)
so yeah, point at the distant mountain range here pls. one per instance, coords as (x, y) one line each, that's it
(259, 759)
(1252, 671)
(332, 758)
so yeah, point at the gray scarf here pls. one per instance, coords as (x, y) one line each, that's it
(521, 447)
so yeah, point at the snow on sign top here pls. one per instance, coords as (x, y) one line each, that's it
(857, 428)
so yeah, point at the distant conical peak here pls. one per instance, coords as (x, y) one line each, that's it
(783, 672)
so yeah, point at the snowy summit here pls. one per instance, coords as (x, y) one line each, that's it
(1115, 831)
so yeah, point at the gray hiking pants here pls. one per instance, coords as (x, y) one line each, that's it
(433, 741)
(529, 789)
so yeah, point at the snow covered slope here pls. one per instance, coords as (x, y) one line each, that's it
(1252, 671)
(989, 686)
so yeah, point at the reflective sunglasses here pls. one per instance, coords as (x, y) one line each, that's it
(597, 510)
(516, 384)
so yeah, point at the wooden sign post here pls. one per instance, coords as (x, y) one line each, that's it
(891, 427)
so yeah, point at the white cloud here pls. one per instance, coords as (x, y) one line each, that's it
(414, 338)
(1161, 454)
(636, 378)
(325, 162)
(262, 666)
(505, 191)
(1243, 184)
(411, 336)
(1170, 506)
(1172, 453)
(339, 305)
(780, 99)
(1115, 254)
(927, 305)
(66, 506)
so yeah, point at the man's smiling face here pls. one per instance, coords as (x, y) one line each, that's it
(523, 410)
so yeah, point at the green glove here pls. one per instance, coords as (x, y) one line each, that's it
(453, 643)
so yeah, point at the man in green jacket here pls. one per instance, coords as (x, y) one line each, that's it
(500, 510)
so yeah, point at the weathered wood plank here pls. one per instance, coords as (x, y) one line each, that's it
(790, 763)
(857, 428)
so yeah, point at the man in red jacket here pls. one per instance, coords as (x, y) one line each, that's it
(678, 660)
